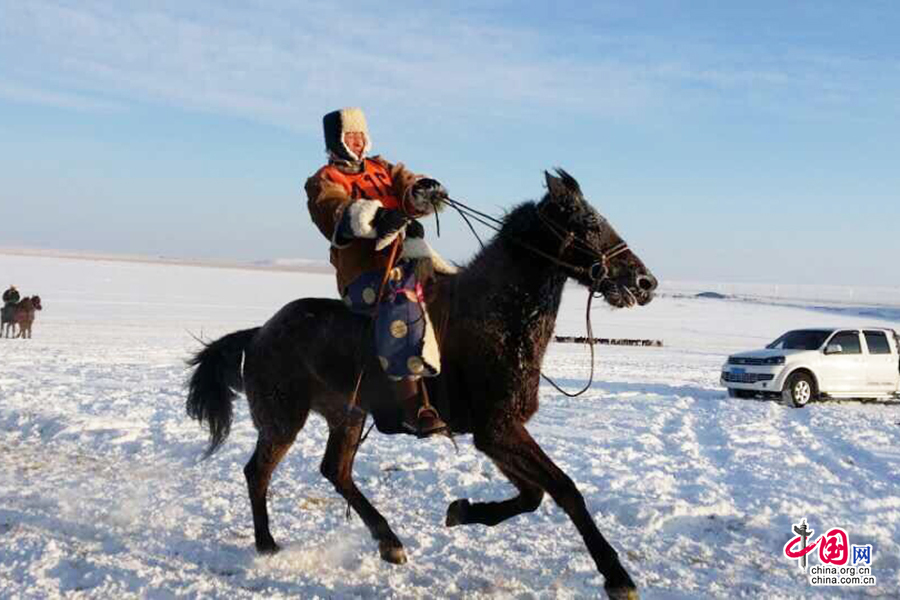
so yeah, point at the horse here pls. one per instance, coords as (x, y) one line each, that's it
(494, 321)
(7, 320)
(23, 315)
(7, 325)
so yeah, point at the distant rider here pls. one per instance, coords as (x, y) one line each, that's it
(10, 296)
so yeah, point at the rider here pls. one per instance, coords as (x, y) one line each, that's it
(11, 296)
(363, 206)
(10, 299)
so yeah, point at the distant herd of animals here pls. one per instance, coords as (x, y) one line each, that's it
(580, 339)
(18, 314)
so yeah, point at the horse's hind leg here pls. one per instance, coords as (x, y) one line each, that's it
(463, 512)
(337, 467)
(258, 472)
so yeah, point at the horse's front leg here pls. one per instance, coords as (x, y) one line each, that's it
(517, 454)
(463, 512)
(337, 467)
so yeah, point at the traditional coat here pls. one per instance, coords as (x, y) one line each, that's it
(404, 335)
(334, 190)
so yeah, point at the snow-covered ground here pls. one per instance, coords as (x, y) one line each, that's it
(102, 494)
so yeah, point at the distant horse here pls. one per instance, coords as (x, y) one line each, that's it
(494, 320)
(7, 320)
(23, 315)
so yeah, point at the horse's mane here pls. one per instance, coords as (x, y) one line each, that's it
(517, 224)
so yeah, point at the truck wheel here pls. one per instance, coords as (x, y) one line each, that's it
(799, 390)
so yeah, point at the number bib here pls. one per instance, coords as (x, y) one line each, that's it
(373, 182)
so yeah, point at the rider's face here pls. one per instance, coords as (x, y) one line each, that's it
(356, 141)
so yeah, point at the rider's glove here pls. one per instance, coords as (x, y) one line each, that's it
(427, 195)
(414, 229)
(359, 222)
(388, 224)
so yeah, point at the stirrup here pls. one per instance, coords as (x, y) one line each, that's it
(438, 426)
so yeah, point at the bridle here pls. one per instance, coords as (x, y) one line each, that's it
(597, 272)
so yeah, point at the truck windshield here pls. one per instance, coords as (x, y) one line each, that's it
(801, 339)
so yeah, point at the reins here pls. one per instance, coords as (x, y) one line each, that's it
(598, 272)
(567, 238)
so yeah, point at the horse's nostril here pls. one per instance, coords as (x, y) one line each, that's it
(646, 283)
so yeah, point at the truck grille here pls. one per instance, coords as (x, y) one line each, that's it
(746, 377)
(738, 360)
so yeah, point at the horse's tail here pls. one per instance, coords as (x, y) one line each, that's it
(216, 379)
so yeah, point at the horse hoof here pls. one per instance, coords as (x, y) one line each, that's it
(622, 593)
(395, 555)
(268, 548)
(456, 512)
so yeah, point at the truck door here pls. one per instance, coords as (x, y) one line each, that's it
(844, 371)
(881, 362)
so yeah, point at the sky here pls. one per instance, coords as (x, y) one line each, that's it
(725, 141)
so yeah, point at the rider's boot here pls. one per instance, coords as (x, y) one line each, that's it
(419, 416)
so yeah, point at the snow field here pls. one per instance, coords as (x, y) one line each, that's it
(102, 494)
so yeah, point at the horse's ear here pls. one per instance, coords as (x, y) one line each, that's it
(569, 182)
(555, 186)
(563, 186)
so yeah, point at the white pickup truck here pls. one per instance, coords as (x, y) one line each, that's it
(806, 364)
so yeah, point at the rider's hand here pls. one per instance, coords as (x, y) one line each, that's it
(388, 224)
(414, 229)
(428, 195)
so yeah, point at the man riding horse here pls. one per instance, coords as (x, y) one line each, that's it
(367, 208)
(10, 298)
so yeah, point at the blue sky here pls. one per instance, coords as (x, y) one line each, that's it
(753, 141)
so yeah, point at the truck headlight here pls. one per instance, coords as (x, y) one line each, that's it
(773, 360)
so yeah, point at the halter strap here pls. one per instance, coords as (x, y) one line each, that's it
(599, 270)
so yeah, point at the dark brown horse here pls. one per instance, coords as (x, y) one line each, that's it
(23, 315)
(494, 320)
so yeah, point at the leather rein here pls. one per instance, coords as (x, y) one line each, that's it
(598, 272)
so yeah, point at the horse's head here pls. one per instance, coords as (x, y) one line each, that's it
(589, 248)
(36, 303)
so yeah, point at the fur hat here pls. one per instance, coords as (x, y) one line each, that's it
(342, 121)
